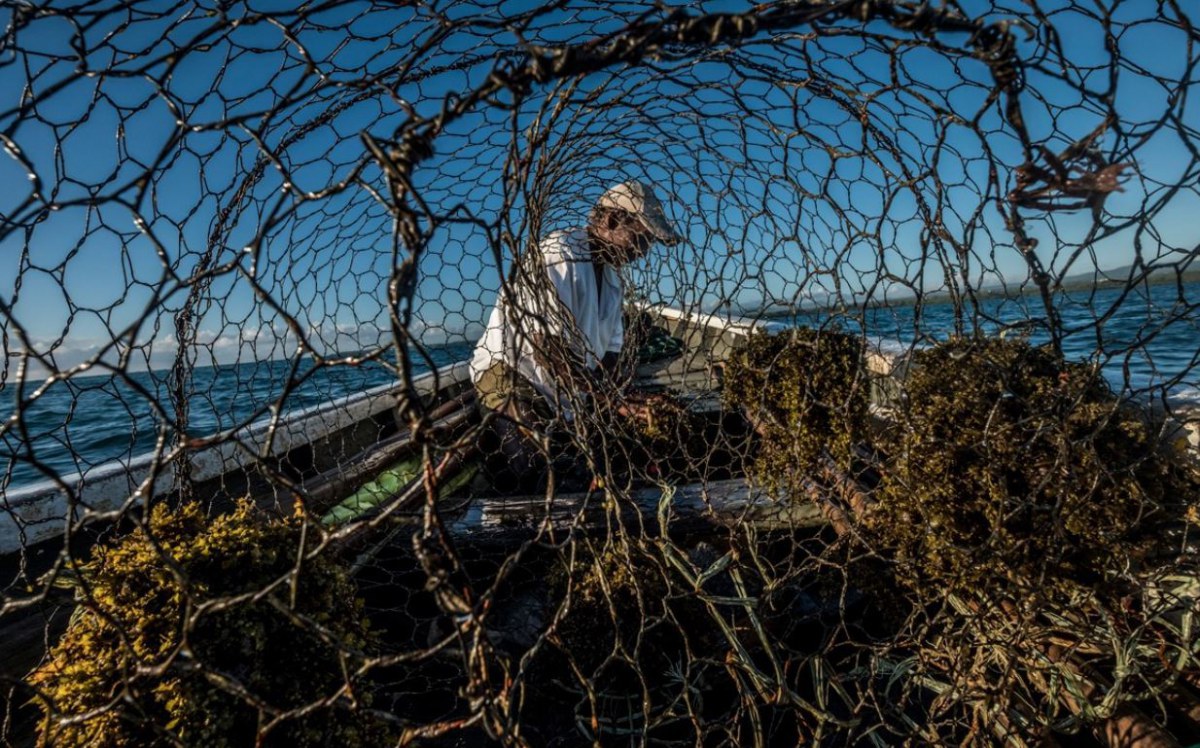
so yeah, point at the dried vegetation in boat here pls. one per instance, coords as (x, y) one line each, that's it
(1031, 534)
(256, 646)
(805, 393)
(1039, 524)
(1018, 567)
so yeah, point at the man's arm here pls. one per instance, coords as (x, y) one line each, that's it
(604, 384)
(611, 375)
(616, 377)
(555, 354)
(542, 297)
(552, 331)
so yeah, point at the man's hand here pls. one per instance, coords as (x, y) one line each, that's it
(604, 385)
(634, 411)
(641, 406)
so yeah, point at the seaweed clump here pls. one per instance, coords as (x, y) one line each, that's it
(1008, 463)
(803, 391)
(668, 441)
(1029, 515)
(185, 634)
(612, 592)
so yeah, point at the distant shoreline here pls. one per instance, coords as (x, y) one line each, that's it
(1071, 285)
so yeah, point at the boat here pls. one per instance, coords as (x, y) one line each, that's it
(345, 447)
(323, 452)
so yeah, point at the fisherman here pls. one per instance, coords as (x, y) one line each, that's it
(553, 341)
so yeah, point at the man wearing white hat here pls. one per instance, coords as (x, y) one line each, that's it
(554, 338)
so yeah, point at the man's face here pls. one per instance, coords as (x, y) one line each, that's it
(640, 241)
(626, 239)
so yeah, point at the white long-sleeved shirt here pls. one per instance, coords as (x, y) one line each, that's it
(588, 318)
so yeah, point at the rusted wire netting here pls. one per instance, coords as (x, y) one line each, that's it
(899, 445)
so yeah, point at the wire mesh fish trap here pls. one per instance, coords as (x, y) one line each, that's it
(623, 373)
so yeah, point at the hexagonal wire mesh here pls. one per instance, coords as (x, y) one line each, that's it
(893, 446)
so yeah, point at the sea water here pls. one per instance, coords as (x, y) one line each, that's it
(1147, 342)
(83, 422)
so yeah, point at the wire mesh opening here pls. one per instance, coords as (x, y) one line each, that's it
(346, 403)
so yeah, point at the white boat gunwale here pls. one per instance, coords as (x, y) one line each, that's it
(37, 512)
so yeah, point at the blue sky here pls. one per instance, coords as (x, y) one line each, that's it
(740, 148)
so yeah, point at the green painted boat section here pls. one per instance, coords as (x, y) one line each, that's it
(392, 481)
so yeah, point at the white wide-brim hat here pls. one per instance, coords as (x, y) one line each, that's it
(636, 198)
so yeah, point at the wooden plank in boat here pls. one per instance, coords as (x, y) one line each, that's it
(729, 502)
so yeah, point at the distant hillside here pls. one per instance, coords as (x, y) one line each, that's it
(1187, 269)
